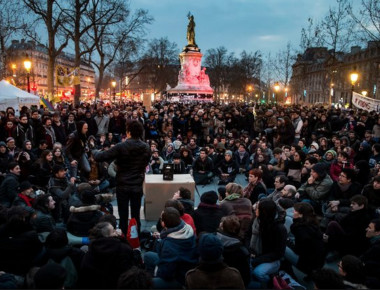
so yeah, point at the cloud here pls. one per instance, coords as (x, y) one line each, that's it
(270, 37)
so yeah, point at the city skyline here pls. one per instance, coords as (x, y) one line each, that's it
(235, 24)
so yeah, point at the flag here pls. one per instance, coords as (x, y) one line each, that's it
(47, 104)
(132, 234)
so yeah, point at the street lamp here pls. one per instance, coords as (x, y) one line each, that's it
(28, 65)
(113, 83)
(354, 77)
(276, 88)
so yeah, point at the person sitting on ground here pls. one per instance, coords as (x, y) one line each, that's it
(212, 273)
(135, 278)
(176, 252)
(307, 252)
(317, 187)
(202, 168)
(156, 163)
(50, 276)
(349, 235)
(227, 169)
(26, 196)
(178, 164)
(255, 188)
(327, 279)
(107, 258)
(20, 247)
(353, 272)
(235, 254)
(372, 192)
(340, 193)
(208, 214)
(43, 221)
(184, 196)
(10, 184)
(85, 217)
(279, 183)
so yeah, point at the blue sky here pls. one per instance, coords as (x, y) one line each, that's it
(265, 25)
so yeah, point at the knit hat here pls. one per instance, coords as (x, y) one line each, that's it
(228, 152)
(177, 144)
(209, 197)
(50, 276)
(10, 139)
(210, 248)
(365, 145)
(332, 152)
(2, 143)
(320, 169)
(315, 145)
(24, 186)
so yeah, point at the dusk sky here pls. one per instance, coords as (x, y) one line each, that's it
(265, 25)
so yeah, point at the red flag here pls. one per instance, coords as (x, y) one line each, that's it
(133, 234)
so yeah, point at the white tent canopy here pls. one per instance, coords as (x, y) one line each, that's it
(11, 96)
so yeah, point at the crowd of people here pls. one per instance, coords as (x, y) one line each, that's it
(312, 196)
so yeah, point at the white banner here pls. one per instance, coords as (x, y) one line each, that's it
(365, 103)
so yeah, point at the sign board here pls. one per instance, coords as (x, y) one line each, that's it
(365, 103)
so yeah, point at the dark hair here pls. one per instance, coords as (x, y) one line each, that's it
(267, 213)
(231, 224)
(57, 239)
(100, 230)
(109, 218)
(171, 217)
(256, 172)
(176, 204)
(135, 128)
(308, 215)
(283, 178)
(184, 193)
(376, 222)
(350, 173)
(286, 203)
(41, 203)
(12, 165)
(135, 278)
(327, 279)
(343, 154)
(360, 200)
(277, 150)
(354, 269)
(376, 147)
(312, 159)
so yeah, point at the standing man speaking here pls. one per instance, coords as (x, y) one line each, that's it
(132, 156)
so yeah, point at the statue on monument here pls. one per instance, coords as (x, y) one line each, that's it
(191, 31)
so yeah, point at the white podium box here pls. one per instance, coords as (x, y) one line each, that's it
(157, 191)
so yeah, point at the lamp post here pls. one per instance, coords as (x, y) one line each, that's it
(113, 83)
(28, 65)
(276, 89)
(354, 77)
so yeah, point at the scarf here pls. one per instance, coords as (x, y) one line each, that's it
(344, 187)
(250, 187)
(232, 196)
(28, 200)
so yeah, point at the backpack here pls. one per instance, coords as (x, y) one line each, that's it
(71, 272)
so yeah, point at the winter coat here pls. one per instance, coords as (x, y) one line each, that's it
(43, 222)
(336, 169)
(8, 189)
(82, 219)
(236, 255)
(309, 246)
(60, 188)
(177, 253)
(18, 249)
(316, 191)
(207, 217)
(132, 157)
(75, 146)
(371, 258)
(60, 132)
(373, 196)
(102, 122)
(344, 196)
(106, 259)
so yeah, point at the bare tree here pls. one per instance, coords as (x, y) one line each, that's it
(9, 24)
(367, 18)
(310, 36)
(160, 64)
(49, 15)
(337, 27)
(118, 27)
(281, 64)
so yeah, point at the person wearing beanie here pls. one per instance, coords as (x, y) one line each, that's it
(314, 145)
(227, 169)
(176, 254)
(26, 196)
(212, 273)
(329, 157)
(316, 189)
(168, 153)
(208, 214)
(178, 164)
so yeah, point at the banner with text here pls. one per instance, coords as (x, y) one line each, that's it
(365, 103)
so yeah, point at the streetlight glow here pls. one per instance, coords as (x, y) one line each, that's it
(277, 87)
(354, 77)
(28, 65)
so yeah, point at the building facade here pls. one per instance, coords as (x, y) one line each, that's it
(322, 76)
(64, 71)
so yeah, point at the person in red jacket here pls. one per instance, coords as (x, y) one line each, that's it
(338, 164)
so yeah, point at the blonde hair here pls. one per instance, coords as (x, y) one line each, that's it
(234, 188)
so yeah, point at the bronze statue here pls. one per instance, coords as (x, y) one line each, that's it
(191, 31)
